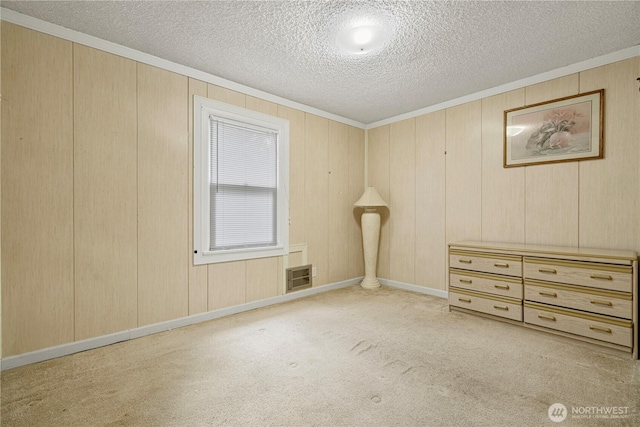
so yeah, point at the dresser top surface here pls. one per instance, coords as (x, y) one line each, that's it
(540, 250)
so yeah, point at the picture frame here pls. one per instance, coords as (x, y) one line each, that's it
(561, 130)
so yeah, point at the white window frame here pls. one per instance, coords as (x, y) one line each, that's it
(203, 108)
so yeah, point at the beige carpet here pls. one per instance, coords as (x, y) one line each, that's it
(349, 357)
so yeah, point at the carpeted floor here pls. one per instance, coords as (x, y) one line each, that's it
(349, 357)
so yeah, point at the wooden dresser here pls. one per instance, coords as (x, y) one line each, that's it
(582, 293)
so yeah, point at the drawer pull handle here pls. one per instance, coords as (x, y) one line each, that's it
(465, 261)
(501, 264)
(547, 270)
(600, 328)
(464, 299)
(466, 281)
(547, 317)
(600, 302)
(601, 276)
(501, 307)
(505, 287)
(548, 294)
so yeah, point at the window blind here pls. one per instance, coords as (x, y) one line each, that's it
(243, 185)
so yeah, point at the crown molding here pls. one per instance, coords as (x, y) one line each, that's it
(32, 23)
(518, 84)
(116, 49)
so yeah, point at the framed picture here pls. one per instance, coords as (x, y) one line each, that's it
(562, 130)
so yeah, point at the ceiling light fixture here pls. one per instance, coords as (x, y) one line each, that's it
(361, 39)
(362, 36)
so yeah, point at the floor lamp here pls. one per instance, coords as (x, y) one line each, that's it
(370, 200)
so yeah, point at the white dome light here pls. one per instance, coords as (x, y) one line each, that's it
(362, 36)
(362, 39)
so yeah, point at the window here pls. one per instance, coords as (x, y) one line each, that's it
(240, 186)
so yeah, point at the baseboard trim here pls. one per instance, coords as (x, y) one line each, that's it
(104, 340)
(63, 350)
(415, 288)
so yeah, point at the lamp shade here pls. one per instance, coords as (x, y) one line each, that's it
(370, 198)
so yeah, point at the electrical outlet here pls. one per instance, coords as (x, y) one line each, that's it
(314, 271)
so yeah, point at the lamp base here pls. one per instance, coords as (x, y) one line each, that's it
(370, 283)
(370, 222)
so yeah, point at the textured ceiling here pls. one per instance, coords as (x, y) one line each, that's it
(437, 51)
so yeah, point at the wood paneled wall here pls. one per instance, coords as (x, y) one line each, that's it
(608, 188)
(96, 196)
(163, 254)
(356, 188)
(379, 173)
(545, 197)
(37, 191)
(402, 176)
(500, 186)
(339, 205)
(316, 193)
(469, 194)
(463, 172)
(0, 190)
(430, 199)
(105, 193)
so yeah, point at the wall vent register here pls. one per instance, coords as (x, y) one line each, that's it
(299, 278)
(582, 293)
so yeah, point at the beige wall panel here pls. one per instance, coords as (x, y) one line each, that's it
(551, 209)
(163, 253)
(339, 207)
(227, 96)
(502, 188)
(198, 287)
(262, 106)
(552, 89)
(295, 259)
(379, 178)
(637, 210)
(105, 193)
(296, 172)
(262, 278)
(356, 188)
(317, 195)
(551, 191)
(281, 274)
(402, 182)
(431, 248)
(37, 169)
(0, 192)
(609, 188)
(227, 284)
(463, 173)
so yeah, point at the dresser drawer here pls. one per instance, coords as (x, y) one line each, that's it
(615, 331)
(487, 263)
(610, 303)
(497, 306)
(499, 285)
(602, 276)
